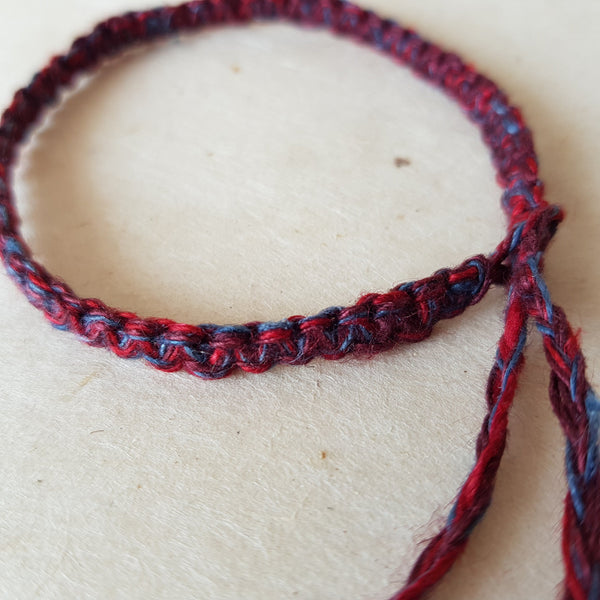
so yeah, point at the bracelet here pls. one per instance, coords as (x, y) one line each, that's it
(378, 321)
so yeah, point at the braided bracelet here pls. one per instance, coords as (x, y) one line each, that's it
(406, 313)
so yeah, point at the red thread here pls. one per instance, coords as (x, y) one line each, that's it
(407, 313)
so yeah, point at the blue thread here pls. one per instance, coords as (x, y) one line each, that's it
(492, 415)
(241, 356)
(499, 361)
(451, 514)
(12, 246)
(305, 8)
(377, 37)
(348, 341)
(480, 270)
(414, 53)
(511, 127)
(273, 325)
(34, 287)
(533, 263)
(173, 342)
(301, 342)
(157, 26)
(241, 330)
(29, 266)
(357, 334)
(516, 237)
(331, 335)
(405, 286)
(592, 409)
(518, 189)
(263, 354)
(367, 335)
(548, 332)
(572, 483)
(87, 319)
(432, 308)
(353, 317)
(545, 330)
(138, 338)
(515, 357)
(124, 340)
(198, 354)
(198, 10)
(466, 286)
(499, 107)
(576, 563)
(465, 87)
(573, 379)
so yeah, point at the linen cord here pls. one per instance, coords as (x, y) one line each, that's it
(406, 313)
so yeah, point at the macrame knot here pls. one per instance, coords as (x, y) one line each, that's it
(528, 238)
(406, 313)
(533, 234)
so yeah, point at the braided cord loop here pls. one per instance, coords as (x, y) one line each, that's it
(378, 321)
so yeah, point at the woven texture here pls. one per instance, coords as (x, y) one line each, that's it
(406, 313)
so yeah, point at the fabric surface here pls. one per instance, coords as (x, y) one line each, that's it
(254, 173)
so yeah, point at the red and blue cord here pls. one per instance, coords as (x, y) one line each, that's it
(406, 313)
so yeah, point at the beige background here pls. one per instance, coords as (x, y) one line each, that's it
(247, 174)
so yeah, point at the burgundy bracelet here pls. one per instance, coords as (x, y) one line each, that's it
(377, 321)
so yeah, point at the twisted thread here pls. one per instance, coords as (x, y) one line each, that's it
(406, 313)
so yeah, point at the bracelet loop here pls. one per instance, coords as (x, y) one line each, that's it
(406, 313)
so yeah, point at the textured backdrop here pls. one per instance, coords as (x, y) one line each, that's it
(256, 173)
